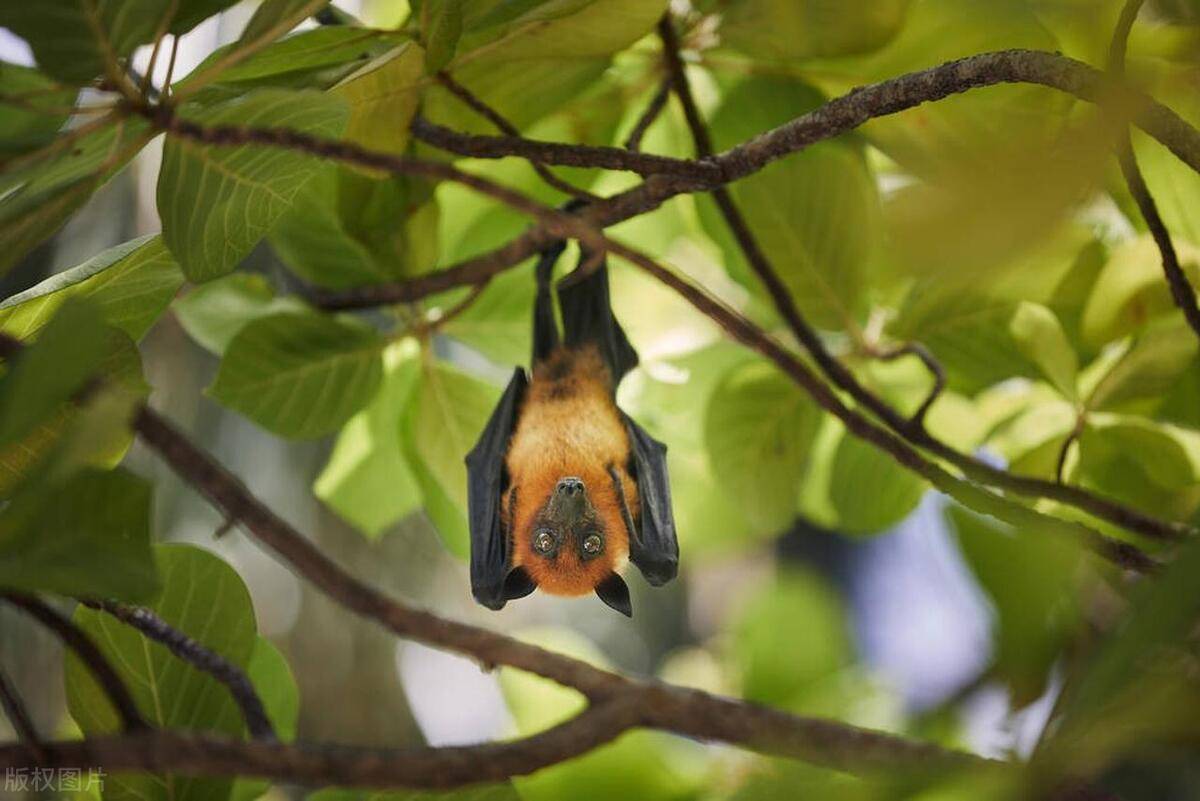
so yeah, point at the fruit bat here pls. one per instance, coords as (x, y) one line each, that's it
(563, 487)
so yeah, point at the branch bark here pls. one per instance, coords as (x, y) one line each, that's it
(198, 656)
(87, 651)
(18, 716)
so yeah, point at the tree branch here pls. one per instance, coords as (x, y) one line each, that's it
(198, 656)
(658, 102)
(504, 126)
(89, 654)
(1181, 289)
(917, 420)
(17, 715)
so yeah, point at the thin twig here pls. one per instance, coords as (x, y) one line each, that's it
(18, 716)
(1182, 291)
(917, 418)
(198, 656)
(460, 307)
(89, 654)
(658, 102)
(166, 90)
(163, 25)
(504, 126)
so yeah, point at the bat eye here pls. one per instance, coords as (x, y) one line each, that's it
(592, 544)
(543, 541)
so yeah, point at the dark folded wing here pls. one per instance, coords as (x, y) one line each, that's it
(654, 548)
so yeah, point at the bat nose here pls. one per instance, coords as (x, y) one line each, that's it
(569, 487)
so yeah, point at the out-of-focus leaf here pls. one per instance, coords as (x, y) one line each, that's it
(87, 535)
(70, 38)
(33, 120)
(1131, 290)
(800, 208)
(1145, 370)
(300, 375)
(383, 96)
(273, 18)
(216, 203)
(640, 764)
(1174, 185)
(1041, 338)
(441, 24)
(477, 792)
(499, 322)
(204, 598)
(215, 312)
(441, 422)
(759, 427)
(347, 229)
(272, 678)
(1031, 579)
(1032, 441)
(869, 490)
(783, 30)
(1167, 455)
(131, 284)
(367, 479)
(190, 13)
(789, 635)
(1084, 28)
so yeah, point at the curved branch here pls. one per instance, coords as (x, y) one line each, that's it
(89, 654)
(658, 102)
(18, 716)
(444, 768)
(198, 656)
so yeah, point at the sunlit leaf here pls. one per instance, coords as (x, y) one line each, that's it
(1146, 369)
(870, 490)
(300, 375)
(781, 30)
(383, 96)
(1041, 338)
(217, 202)
(215, 312)
(367, 479)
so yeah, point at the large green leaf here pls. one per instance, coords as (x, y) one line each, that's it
(1144, 370)
(367, 479)
(217, 202)
(870, 491)
(300, 375)
(31, 122)
(786, 30)
(441, 422)
(441, 26)
(72, 38)
(1041, 338)
(215, 312)
(1031, 579)
(1167, 455)
(801, 207)
(204, 598)
(383, 96)
(759, 427)
(131, 284)
(347, 229)
(87, 535)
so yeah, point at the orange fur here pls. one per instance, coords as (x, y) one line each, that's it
(568, 425)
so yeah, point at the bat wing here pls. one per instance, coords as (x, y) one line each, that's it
(654, 547)
(486, 480)
(588, 318)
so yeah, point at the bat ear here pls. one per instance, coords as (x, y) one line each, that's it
(517, 584)
(614, 592)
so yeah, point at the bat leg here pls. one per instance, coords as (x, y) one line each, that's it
(545, 329)
(588, 317)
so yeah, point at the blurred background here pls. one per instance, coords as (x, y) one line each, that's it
(862, 607)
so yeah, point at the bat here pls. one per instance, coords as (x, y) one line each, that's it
(564, 489)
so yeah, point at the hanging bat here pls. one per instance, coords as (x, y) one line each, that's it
(564, 488)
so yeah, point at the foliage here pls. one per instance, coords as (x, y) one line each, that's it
(987, 226)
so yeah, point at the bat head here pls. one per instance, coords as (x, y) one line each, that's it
(570, 540)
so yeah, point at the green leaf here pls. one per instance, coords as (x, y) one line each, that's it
(34, 120)
(70, 38)
(440, 424)
(272, 678)
(65, 357)
(780, 670)
(1041, 338)
(383, 96)
(477, 792)
(204, 598)
(759, 427)
(1146, 369)
(1031, 580)
(300, 375)
(1167, 455)
(216, 203)
(88, 535)
(1174, 186)
(786, 30)
(801, 207)
(367, 479)
(347, 229)
(870, 491)
(191, 13)
(1131, 289)
(498, 322)
(273, 18)
(131, 284)
(441, 27)
(215, 312)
